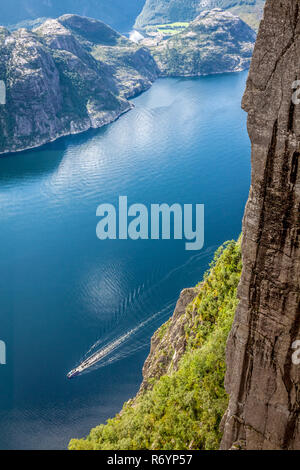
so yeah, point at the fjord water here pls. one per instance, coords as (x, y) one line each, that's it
(62, 289)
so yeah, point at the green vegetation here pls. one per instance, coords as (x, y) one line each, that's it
(170, 11)
(183, 410)
(169, 29)
(90, 30)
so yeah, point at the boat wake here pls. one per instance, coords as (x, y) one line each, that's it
(106, 351)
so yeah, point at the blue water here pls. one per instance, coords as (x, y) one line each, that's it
(62, 289)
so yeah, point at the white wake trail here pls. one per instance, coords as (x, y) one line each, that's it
(105, 355)
(111, 347)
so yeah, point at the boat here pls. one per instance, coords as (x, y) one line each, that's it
(73, 373)
(104, 351)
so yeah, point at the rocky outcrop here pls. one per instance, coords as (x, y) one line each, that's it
(215, 42)
(168, 344)
(182, 399)
(57, 84)
(262, 379)
(170, 11)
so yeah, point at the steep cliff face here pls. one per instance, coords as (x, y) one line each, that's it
(262, 380)
(57, 84)
(169, 343)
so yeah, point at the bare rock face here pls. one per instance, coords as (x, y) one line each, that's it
(169, 11)
(262, 379)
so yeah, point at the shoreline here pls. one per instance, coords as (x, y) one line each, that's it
(66, 134)
(113, 119)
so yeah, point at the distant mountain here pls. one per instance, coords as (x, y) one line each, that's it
(215, 42)
(170, 11)
(67, 76)
(120, 14)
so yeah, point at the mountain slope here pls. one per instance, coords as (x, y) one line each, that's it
(216, 41)
(263, 376)
(170, 11)
(112, 12)
(182, 398)
(56, 85)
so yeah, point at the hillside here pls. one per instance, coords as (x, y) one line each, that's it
(182, 398)
(111, 12)
(59, 82)
(215, 42)
(170, 11)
